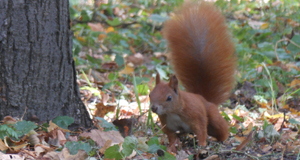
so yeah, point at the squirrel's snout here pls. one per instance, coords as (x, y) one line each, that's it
(154, 108)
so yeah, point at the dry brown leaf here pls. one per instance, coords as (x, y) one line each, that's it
(52, 155)
(136, 59)
(293, 135)
(106, 145)
(278, 147)
(239, 139)
(245, 141)
(249, 129)
(73, 138)
(61, 137)
(295, 83)
(266, 148)
(109, 66)
(3, 146)
(278, 124)
(9, 120)
(39, 150)
(100, 137)
(53, 126)
(65, 154)
(132, 49)
(96, 27)
(292, 148)
(213, 157)
(10, 156)
(102, 110)
(18, 147)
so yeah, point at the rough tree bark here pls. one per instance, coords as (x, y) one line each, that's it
(37, 70)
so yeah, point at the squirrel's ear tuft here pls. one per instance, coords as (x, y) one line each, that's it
(174, 83)
(157, 78)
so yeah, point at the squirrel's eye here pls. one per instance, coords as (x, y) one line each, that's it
(169, 98)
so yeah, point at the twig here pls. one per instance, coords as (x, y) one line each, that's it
(159, 131)
(285, 39)
(282, 121)
(241, 152)
(24, 113)
(245, 142)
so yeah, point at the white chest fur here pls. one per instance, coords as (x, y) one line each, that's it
(175, 124)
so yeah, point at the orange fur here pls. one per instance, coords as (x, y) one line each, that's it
(202, 55)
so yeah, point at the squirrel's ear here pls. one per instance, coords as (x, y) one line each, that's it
(157, 78)
(174, 83)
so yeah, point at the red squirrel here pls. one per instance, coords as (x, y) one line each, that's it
(202, 55)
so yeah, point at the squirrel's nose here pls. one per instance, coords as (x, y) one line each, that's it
(154, 108)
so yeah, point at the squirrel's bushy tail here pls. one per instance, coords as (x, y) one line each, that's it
(202, 52)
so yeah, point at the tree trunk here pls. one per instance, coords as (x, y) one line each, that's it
(37, 71)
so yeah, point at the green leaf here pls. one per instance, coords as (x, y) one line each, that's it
(271, 132)
(75, 146)
(119, 60)
(63, 121)
(291, 47)
(152, 141)
(293, 121)
(233, 130)
(129, 145)
(114, 22)
(112, 76)
(265, 124)
(142, 89)
(113, 152)
(161, 72)
(108, 126)
(86, 15)
(158, 18)
(167, 156)
(107, 85)
(124, 43)
(238, 118)
(6, 131)
(153, 148)
(226, 117)
(23, 127)
(93, 60)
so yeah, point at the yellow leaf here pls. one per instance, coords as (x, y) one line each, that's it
(275, 116)
(110, 29)
(127, 70)
(295, 82)
(81, 39)
(264, 26)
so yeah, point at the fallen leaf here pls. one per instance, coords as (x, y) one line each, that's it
(266, 148)
(105, 146)
(18, 147)
(249, 129)
(61, 137)
(102, 110)
(3, 146)
(127, 70)
(100, 137)
(96, 27)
